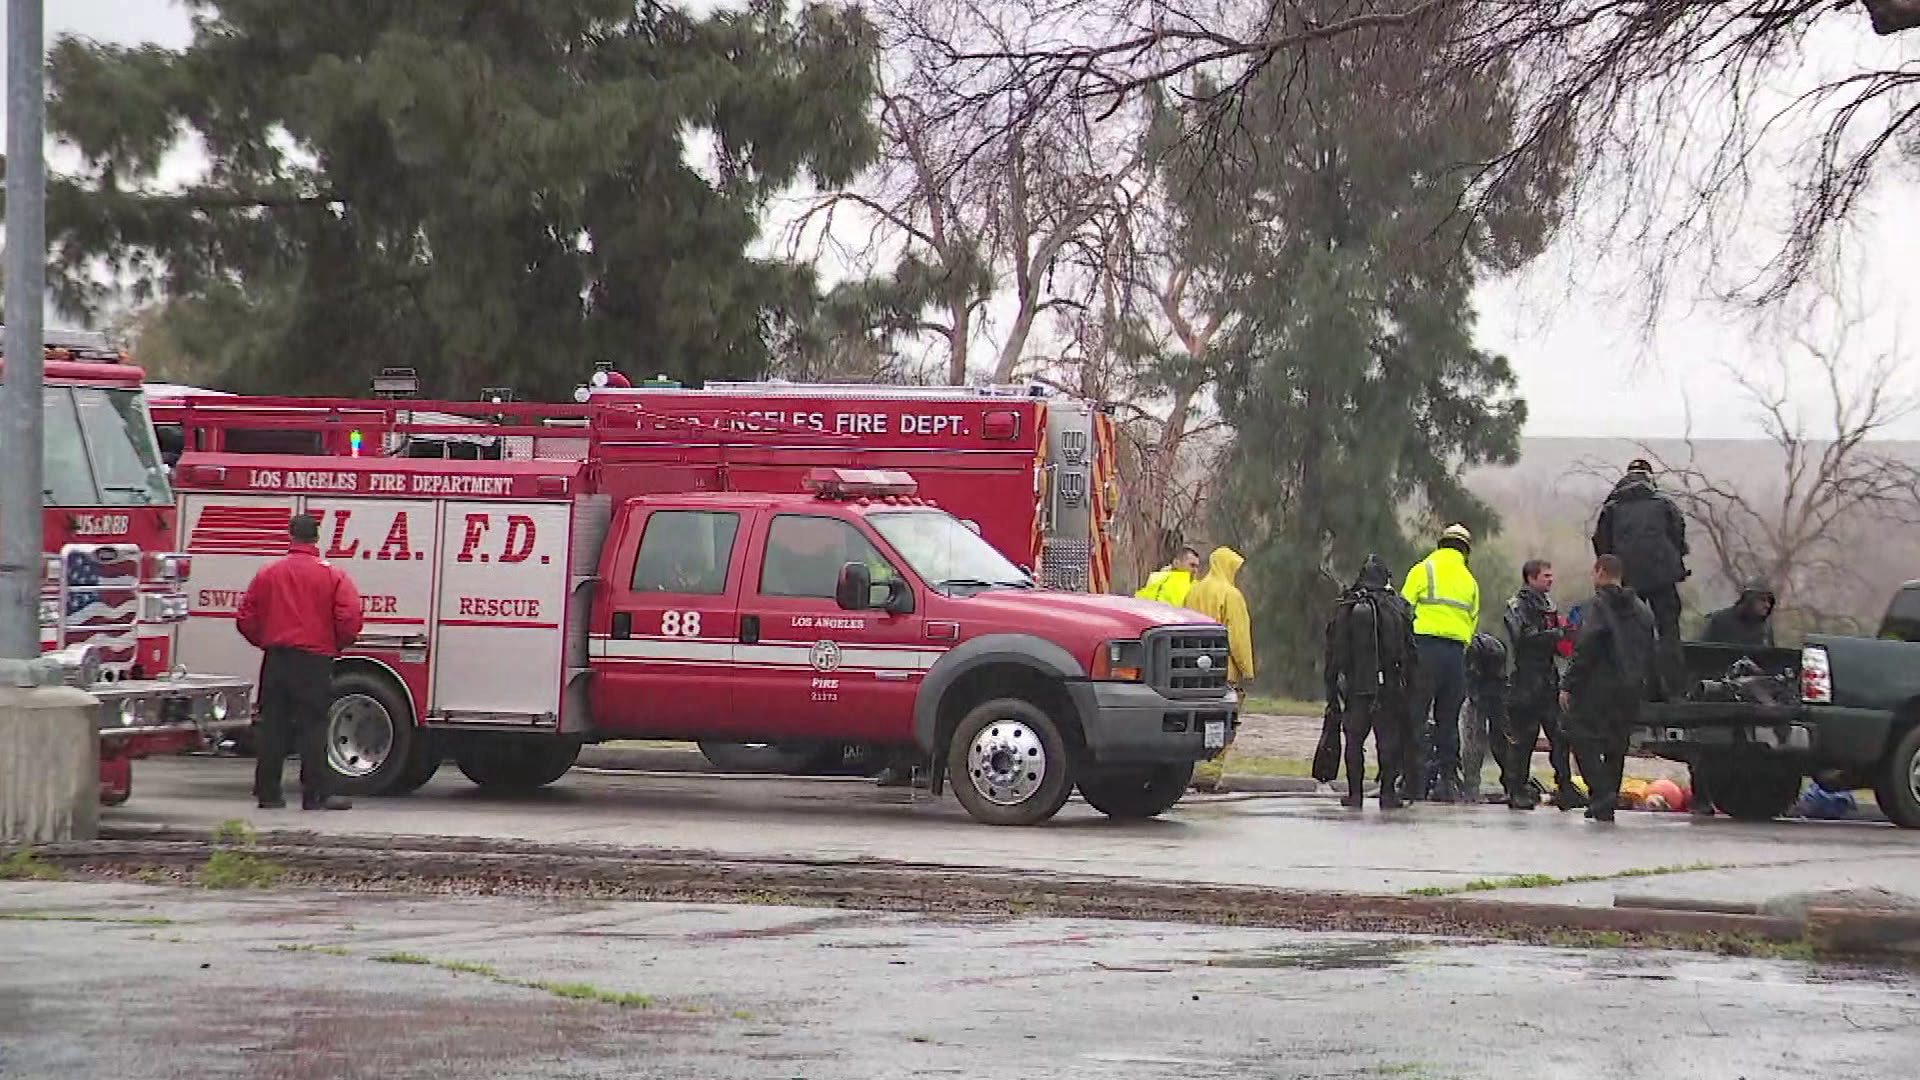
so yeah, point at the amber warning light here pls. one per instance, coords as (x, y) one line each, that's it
(859, 483)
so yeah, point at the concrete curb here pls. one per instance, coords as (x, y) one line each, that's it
(426, 863)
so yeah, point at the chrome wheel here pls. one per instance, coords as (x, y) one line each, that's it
(1007, 762)
(1913, 776)
(359, 736)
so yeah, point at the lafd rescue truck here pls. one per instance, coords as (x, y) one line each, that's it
(594, 582)
(1032, 470)
(114, 589)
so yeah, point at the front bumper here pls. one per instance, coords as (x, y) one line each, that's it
(1134, 724)
(188, 705)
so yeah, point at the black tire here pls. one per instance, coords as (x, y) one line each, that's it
(370, 734)
(517, 763)
(1025, 772)
(423, 764)
(1753, 791)
(1898, 790)
(785, 759)
(1131, 794)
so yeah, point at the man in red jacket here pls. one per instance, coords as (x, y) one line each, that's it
(301, 612)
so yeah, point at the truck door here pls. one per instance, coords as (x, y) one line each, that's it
(662, 666)
(810, 668)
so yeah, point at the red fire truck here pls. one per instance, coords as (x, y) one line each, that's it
(1032, 470)
(114, 590)
(558, 575)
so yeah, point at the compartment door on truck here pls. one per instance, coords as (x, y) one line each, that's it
(503, 599)
(661, 660)
(386, 546)
(817, 669)
(230, 537)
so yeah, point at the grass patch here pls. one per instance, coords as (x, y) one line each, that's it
(467, 967)
(65, 916)
(239, 870)
(1283, 706)
(414, 959)
(580, 991)
(236, 832)
(25, 865)
(1547, 881)
(324, 950)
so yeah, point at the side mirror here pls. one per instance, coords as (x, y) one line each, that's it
(854, 590)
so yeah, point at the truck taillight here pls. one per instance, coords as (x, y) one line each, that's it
(1816, 676)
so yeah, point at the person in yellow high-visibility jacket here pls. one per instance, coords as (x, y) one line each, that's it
(1219, 599)
(1170, 583)
(1446, 612)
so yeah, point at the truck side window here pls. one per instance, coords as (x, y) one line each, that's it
(805, 553)
(686, 552)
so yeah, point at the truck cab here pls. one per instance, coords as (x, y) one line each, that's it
(113, 592)
(863, 613)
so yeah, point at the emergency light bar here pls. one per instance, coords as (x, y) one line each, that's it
(859, 483)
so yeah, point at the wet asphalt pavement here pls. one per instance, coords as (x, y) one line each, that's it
(136, 982)
(1297, 842)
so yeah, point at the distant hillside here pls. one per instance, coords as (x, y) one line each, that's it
(1548, 503)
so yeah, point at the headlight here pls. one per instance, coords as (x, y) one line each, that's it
(220, 708)
(129, 713)
(1119, 661)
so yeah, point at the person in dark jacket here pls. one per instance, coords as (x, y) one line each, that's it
(301, 611)
(1369, 670)
(1538, 638)
(1606, 682)
(1484, 722)
(1749, 622)
(1649, 535)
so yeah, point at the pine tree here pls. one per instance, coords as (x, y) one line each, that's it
(1352, 382)
(490, 191)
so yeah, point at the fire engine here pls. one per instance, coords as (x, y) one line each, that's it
(649, 567)
(113, 594)
(1032, 470)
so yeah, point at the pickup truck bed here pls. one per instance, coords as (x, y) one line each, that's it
(1756, 756)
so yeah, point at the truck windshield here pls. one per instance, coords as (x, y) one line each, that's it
(945, 553)
(100, 449)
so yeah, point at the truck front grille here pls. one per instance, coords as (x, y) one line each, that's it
(1188, 661)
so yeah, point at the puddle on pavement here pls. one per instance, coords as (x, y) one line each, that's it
(1338, 956)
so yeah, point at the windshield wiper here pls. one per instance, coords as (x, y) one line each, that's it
(145, 492)
(981, 583)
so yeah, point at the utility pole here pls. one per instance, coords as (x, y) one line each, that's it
(21, 426)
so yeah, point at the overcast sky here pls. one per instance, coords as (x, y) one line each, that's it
(1570, 323)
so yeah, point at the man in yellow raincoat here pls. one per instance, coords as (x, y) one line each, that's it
(1216, 597)
(1170, 583)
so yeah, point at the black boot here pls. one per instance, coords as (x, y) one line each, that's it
(1390, 792)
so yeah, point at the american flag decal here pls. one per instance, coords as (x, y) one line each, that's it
(103, 602)
(241, 530)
